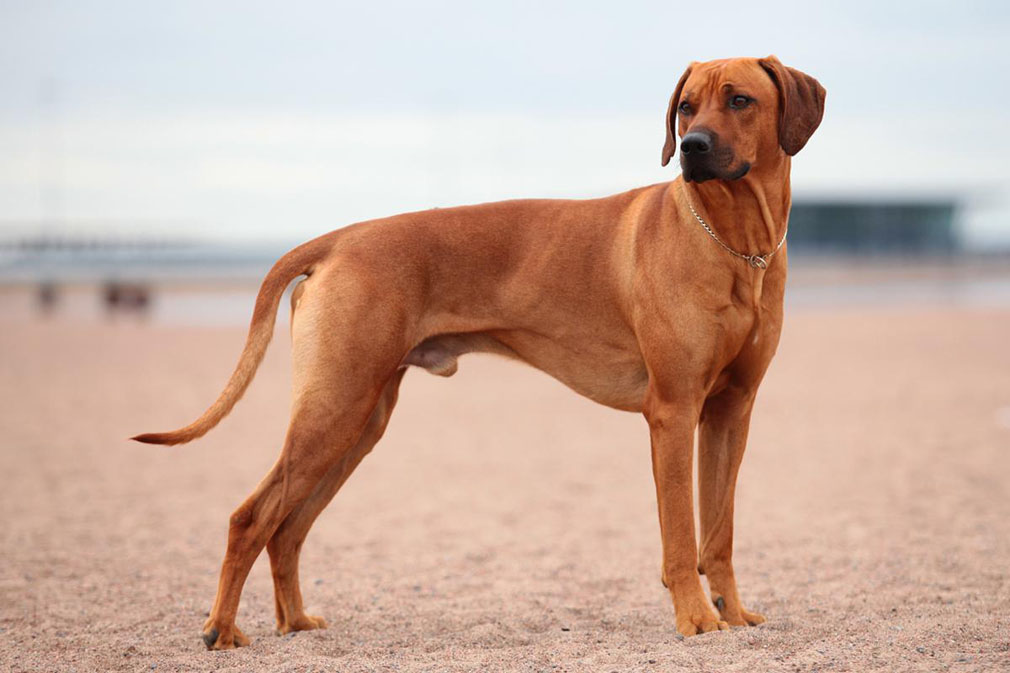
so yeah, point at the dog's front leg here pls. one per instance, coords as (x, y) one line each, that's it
(671, 426)
(722, 438)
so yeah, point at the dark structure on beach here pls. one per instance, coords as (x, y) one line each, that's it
(887, 227)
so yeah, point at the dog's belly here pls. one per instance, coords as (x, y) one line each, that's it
(611, 373)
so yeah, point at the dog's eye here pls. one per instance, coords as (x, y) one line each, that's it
(739, 102)
(685, 108)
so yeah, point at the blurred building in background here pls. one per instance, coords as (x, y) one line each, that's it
(874, 227)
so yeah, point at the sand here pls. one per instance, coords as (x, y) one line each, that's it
(505, 523)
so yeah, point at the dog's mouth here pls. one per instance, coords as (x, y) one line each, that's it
(695, 170)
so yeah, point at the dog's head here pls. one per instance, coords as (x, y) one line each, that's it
(736, 114)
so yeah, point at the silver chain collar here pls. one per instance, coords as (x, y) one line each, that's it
(756, 261)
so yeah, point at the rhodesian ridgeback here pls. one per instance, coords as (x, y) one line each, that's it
(664, 300)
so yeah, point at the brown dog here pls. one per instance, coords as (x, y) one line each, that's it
(665, 300)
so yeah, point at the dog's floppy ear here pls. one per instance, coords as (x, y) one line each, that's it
(670, 147)
(801, 104)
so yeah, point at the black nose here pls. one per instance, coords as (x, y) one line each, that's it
(696, 142)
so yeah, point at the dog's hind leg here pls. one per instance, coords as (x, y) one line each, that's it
(286, 544)
(339, 378)
(320, 439)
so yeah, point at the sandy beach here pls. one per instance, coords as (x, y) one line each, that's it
(505, 524)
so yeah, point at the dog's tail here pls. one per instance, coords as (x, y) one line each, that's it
(299, 261)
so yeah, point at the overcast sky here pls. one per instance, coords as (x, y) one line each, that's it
(285, 120)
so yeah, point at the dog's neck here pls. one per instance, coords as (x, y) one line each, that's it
(750, 214)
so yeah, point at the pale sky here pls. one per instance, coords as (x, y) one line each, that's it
(285, 120)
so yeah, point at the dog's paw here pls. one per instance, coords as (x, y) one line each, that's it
(301, 623)
(702, 622)
(752, 618)
(223, 639)
(693, 610)
(737, 615)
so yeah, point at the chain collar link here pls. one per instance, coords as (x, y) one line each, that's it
(756, 261)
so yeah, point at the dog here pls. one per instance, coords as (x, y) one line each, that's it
(664, 300)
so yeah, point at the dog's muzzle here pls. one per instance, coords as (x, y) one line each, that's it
(702, 158)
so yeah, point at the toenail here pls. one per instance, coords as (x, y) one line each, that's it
(720, 603)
